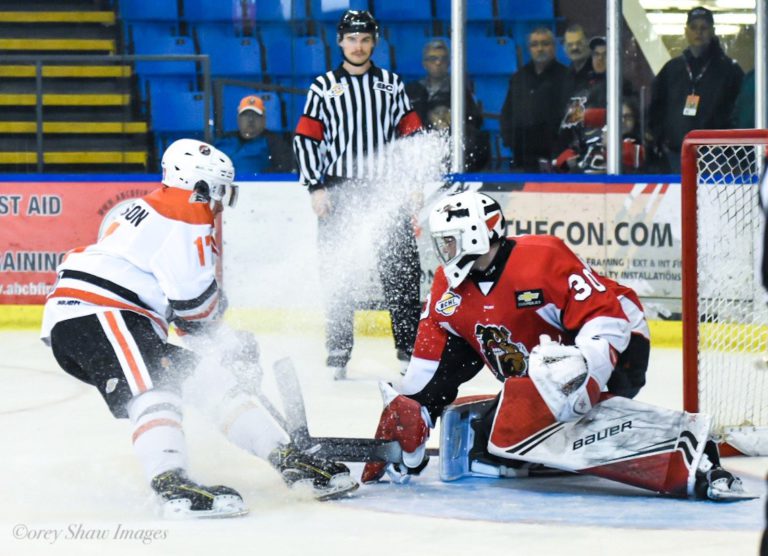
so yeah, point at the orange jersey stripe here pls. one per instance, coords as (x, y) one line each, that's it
(173, 203)
(100, 300)
(155, 423)
(126, 351)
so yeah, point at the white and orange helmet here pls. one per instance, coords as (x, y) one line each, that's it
(463, 226)
(201, 168)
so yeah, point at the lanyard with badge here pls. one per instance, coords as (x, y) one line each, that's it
(692, 100)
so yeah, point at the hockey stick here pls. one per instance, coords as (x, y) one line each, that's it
(337, 448)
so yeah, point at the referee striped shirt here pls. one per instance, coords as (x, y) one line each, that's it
(347, 119)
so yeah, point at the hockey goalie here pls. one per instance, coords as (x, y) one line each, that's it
(107, 322)
(571, 349)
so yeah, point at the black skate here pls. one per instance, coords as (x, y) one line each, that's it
(182, 498)
(322, 478)
(720, 485)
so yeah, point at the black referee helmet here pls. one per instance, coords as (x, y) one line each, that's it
(357, 21)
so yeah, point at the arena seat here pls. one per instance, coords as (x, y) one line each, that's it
(218, 10)
(280, 10)
(149, 10)
(178, 112)
(525, 9)
(305, 56)
(408, 10)
(230, 55)
(321, 11)
(491, 90)
(491, 56)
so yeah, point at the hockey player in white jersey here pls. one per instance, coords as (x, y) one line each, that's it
(107, 322)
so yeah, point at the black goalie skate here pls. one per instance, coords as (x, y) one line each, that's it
(182, 498)
(322, 478)
(720, 485)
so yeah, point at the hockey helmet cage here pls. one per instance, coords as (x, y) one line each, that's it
(462, 227)
(357, 21)
(201, 168)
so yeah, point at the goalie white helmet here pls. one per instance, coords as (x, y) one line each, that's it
(200, 168)
(463, 226)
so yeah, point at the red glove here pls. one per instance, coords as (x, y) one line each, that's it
(403, 420)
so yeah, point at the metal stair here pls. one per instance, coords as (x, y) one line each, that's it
(87, 118)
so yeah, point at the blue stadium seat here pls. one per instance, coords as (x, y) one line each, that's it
(169, 84)
(491, 56)
(273, 109)
(274, 33)
(491, 92)
(305, 56)
(178, 112)
(170, 45)
(142, 32)
(414, 35)
(294, 108)
(149, 10)
(406, 10)
(381, 55)
(231, 56)
(477, 10)
(216, 10)
(525, 9)
(280, 10)
(322, 10)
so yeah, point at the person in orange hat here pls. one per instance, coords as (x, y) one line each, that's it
(254, 149)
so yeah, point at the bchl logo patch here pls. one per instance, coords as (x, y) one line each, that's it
(337, 90)
(529, 298)
(381, 86)
(448, 303)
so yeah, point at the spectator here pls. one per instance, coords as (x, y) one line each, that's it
(577, 49)
(477, 145)
(254, 149)
(434, 89)
(696, 90)
(534, 104)
(587, 152)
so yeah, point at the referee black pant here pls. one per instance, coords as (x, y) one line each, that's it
(364, 224)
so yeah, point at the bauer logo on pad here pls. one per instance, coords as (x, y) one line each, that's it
(529, 298)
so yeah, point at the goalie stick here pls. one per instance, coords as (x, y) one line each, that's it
(294, 422)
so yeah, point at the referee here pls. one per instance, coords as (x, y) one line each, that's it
(350, 114)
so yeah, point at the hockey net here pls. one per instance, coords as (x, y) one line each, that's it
(725, 318)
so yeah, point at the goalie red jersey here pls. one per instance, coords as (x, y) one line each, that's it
(536, 286)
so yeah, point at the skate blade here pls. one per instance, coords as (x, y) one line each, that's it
(339, 487)
(223, 507)
(729, 496)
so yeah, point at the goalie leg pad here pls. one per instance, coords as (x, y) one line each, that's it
(620, 439)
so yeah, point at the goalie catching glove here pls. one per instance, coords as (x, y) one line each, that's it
(562, 378)
(408, 422)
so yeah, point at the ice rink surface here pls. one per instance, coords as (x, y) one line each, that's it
(71, 485)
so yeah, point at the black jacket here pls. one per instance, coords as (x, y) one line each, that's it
(533, 108)
(718, 86)
(422, 101)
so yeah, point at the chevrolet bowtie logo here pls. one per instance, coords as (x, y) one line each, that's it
(528, 296)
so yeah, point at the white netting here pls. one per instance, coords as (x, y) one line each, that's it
(732, 315)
